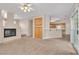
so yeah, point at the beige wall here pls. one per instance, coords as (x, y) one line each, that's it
(68, 26)
(26, 27)
(1, 31)
(30, 27)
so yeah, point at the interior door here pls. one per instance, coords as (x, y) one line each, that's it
(38, 28)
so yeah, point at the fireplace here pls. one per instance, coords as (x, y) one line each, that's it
(9, 32)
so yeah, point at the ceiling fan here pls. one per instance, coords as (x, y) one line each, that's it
(26, 7)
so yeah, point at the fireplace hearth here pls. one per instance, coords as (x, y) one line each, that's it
(9, 32)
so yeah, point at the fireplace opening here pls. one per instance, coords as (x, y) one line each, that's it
(9, 32)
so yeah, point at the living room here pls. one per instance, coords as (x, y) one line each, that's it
(37, 24)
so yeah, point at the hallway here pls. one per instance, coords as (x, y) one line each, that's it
(29, 46)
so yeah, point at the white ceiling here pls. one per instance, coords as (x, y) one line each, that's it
(59, 10)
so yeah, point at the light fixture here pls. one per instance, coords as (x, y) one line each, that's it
(4, 14)
(26, 7)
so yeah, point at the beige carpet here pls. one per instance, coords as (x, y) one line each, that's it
(31, 46)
